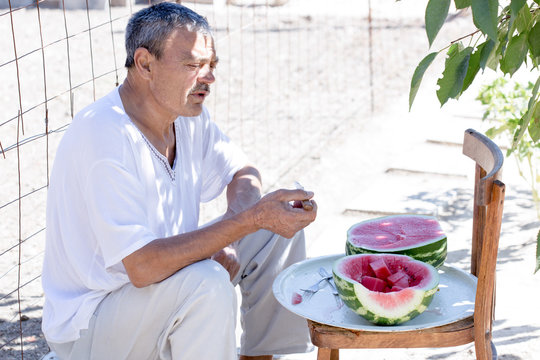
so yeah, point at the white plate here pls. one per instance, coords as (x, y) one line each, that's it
(454, 300)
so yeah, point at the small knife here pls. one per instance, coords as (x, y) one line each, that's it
(306, 204)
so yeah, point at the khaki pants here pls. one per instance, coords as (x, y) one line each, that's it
(192, 314)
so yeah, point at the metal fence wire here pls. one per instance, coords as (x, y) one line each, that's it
(291, 75)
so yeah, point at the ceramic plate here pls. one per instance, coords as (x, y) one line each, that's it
(454, 300)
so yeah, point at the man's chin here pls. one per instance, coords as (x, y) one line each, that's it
(192, 110)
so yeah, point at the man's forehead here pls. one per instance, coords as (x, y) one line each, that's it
(192, 44)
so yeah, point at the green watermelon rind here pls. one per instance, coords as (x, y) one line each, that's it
(352, 293)
(433, 254)
(432, 251)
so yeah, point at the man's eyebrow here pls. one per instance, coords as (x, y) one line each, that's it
(191, 57)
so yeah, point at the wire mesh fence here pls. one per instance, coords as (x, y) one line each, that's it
(291, 74)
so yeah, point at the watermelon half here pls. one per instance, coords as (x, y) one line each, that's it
(418, 236)
(385, 289)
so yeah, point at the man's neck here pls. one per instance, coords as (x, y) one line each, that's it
(157, 128)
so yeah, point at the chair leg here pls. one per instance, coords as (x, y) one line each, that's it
(484, 349)
(493, 351)
(327, 354)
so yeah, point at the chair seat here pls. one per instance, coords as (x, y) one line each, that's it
(453, 334)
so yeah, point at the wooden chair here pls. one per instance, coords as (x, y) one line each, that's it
(487, 217)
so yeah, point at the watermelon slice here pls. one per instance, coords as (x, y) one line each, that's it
(418, 236)
(403, 295)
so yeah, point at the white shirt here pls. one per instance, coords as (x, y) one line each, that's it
(111, 192)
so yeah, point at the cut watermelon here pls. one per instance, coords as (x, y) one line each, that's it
(403, 295)
(402, 283)
(417, 236)
(296, 298)
(398, 277)
(373, 283)
(380, 269)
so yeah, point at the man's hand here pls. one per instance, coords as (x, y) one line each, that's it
(228, 258)
(279, 212)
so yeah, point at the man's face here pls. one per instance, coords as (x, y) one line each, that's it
(184, 73)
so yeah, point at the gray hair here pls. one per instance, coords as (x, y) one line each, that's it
(150, 27)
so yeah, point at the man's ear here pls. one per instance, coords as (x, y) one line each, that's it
(143, 62)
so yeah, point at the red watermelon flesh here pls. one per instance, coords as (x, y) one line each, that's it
(398, 277)
(374, 284)
(380, 269)
(360, 269)
(385, 275)
(398, 231)
(402, 283)
(296, 298)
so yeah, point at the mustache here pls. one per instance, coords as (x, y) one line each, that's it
(200, 87)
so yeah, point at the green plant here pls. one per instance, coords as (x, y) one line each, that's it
(505, 103)
(507, 36)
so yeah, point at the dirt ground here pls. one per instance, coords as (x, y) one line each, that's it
(297, 90)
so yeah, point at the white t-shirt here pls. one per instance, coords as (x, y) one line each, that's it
(111, 192)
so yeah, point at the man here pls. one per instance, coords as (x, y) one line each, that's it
(128, 274)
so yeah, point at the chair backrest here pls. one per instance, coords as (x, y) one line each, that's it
(489, 194)
(489, 161)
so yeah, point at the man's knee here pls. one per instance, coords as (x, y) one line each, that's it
(208, 283)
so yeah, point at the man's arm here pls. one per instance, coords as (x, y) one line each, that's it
(243, 191)
(163, 257)
(245, 214)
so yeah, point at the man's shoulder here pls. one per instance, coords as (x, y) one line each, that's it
(101, 128)
(107, 107)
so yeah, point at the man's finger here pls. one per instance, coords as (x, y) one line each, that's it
(291, 195)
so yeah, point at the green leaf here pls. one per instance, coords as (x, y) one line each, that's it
(485, 16)
(516, 5)
(487, 50)
(515, 54)
(523, 19)
(534, 40)
(436, 13)
(520, 130)
(526, 118)
(494, 58)
(473, 67)
(455, 69)
(418, 75)
(534, 124)
(462, 4)
(533, 108)
(524, 122)
(532, 99)
(537, 252)
(503, 31)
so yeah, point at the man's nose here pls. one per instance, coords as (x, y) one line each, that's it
(206, 75)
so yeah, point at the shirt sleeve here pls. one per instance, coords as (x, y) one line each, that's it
(116, 211)
(221, 160)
